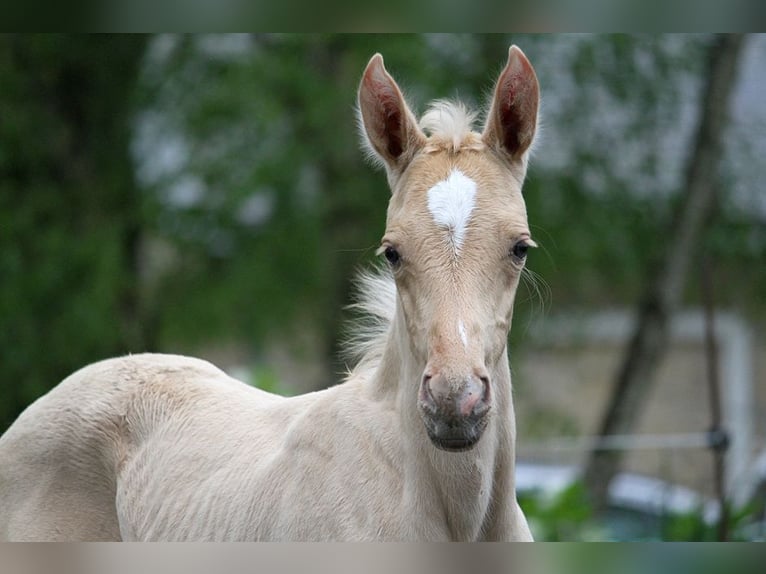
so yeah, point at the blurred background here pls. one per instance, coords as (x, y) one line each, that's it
(206, 195)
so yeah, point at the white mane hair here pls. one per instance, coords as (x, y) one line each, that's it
(374, 308)
(449, 125)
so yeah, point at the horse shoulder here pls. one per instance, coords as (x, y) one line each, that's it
(60, 461)
(334, 472)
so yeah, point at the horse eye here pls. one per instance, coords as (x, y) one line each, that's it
(519, 251)
(392, 255)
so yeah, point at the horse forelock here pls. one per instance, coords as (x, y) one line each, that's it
(449, 126)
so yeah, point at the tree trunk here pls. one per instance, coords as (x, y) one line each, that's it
(665, 285)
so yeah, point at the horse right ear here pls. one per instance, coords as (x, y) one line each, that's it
(512, 118)
(388, 124)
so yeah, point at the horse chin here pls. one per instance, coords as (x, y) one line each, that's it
(455, 435)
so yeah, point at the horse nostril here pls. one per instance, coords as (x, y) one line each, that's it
(486, 392)
(426, 393)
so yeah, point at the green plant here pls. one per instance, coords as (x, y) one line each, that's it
(563, 516)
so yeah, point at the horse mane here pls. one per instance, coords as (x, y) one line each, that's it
(374, 308)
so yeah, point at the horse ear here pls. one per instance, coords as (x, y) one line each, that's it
(389, 125)
(512, 116)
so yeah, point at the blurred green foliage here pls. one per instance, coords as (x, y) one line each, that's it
(69, 211)
(650, 558)
(568, 516)
(743, 525)
(563, 516)
(166, 192)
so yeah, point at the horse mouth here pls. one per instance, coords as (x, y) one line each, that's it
(455, 435)
(454, 444)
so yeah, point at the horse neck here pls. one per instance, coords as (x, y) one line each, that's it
(466, 477)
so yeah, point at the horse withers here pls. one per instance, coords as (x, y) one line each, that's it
(417, 444)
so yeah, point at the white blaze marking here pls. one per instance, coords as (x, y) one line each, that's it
(463, 336)
(451, 203)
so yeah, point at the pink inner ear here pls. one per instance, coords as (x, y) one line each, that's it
(517, 95)
(392, 122)
(510, 121)
(384, 103)
(516, 117)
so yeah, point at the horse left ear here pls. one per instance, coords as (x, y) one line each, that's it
(389, 125)
(512, 119)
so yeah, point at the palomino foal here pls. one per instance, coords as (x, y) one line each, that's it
(417, 444)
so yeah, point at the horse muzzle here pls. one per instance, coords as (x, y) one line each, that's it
(454, 410)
